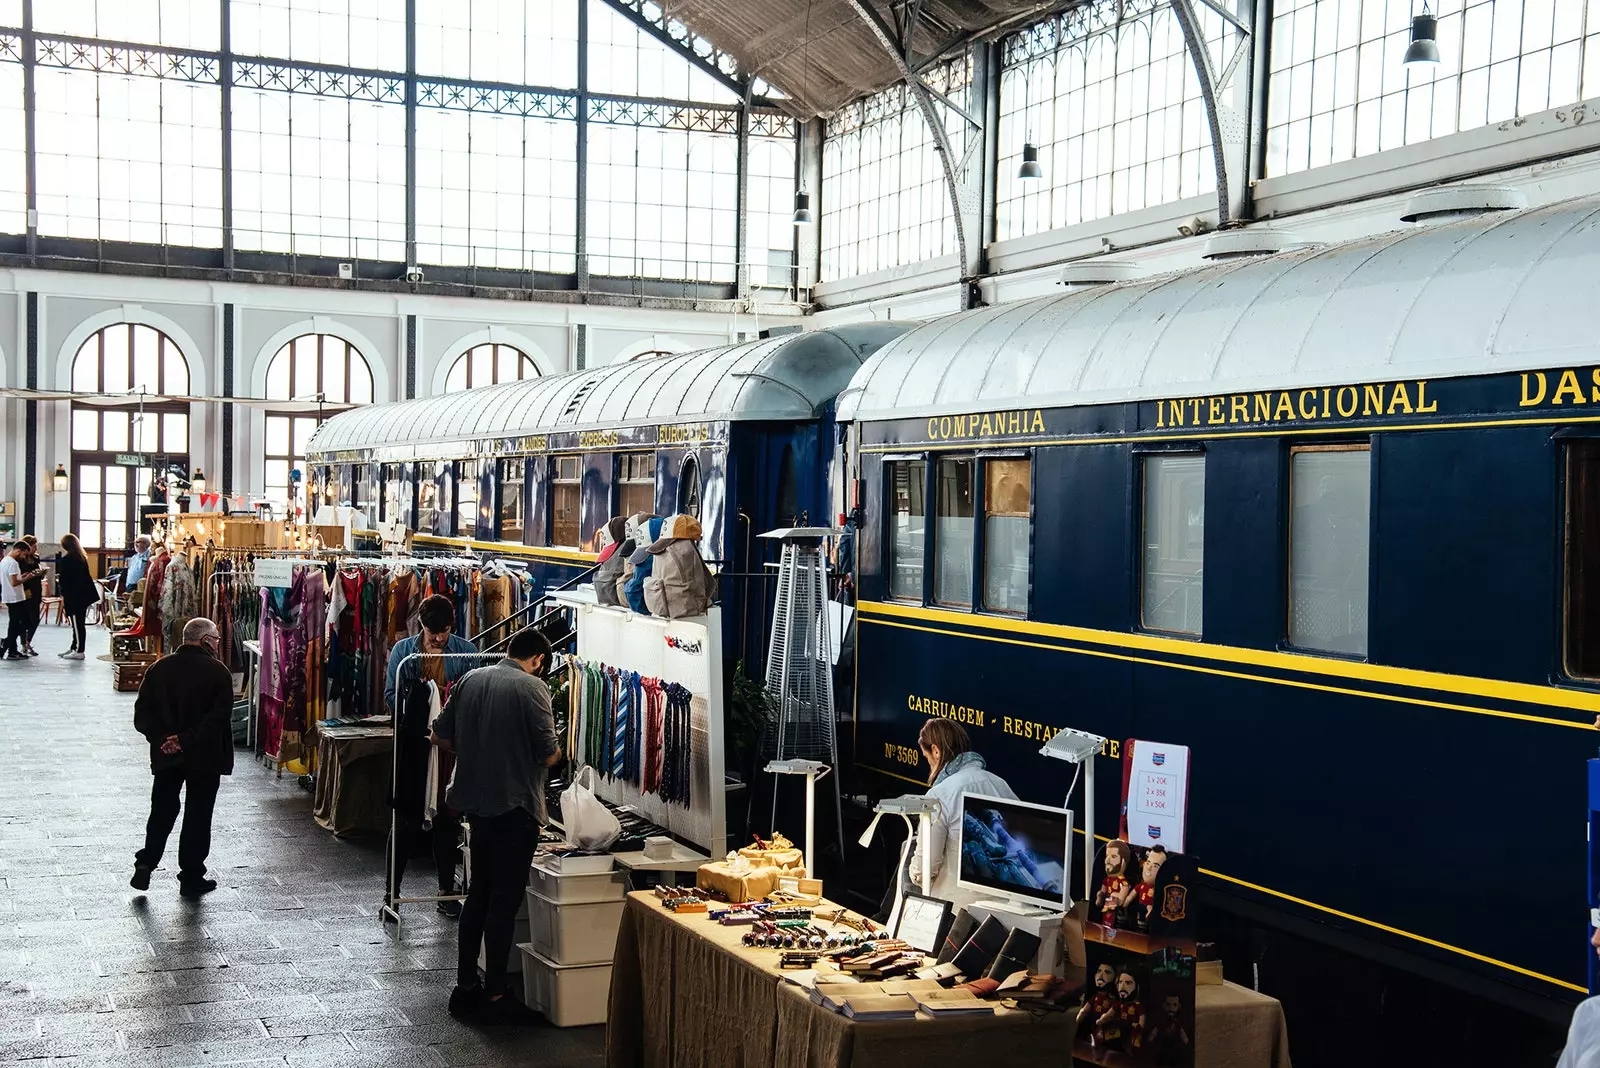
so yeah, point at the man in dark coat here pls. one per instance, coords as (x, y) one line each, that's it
(184, 708)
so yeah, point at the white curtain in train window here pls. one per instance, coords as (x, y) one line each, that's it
(1115, 111)
(1339, 87)
(1173, 539)
(952, 532)
(904, 492)
(1007, 517)
(1330, 494)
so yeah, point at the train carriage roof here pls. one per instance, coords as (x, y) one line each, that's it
(1498, 293)
(792, 377)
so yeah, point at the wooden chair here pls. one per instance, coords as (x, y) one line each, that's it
(52, 601)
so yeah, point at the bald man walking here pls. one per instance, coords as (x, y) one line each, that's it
(184, 708)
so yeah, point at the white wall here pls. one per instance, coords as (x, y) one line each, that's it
(72, 306)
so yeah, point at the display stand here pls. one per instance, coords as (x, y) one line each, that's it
(923, 807)
(392, 901)
(683, 651)
(1080, 748)
(812, 770)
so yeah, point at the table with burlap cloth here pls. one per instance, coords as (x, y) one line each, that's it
(1235, 1027)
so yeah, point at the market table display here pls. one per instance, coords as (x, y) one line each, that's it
(1235, 1027)
(685, 993)
(354, 768)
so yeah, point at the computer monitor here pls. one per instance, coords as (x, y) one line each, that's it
(1015, 849)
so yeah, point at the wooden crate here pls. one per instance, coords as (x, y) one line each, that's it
(127, 675)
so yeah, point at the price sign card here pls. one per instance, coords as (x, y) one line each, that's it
(1155, 794)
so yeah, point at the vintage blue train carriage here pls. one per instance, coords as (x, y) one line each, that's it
(739, 436)
(1331, 518)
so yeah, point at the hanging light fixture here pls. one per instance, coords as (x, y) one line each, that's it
(802, 208)
(58, 481)
(197, 484)
(1424, 47)
(1030, 168)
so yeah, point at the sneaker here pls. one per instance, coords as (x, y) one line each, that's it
(74, 655)
(141, 878)
(466, 1002)
(14, 656)
(194, 889)
(69, 652)
(30, 650)
(451, 909)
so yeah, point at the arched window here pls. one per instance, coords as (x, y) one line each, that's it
(689, 488)
(649, 354)
(312, 369)
(488, 364)
(117, 448)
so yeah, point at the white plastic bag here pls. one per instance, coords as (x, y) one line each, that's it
(589, 824)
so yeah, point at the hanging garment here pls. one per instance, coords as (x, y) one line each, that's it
(431, 796)
(655, 722)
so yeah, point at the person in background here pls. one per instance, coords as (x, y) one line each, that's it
(406, 694)
(185, 710)
(501, 729)
(78, 592)
(137, 563)
(1583, 1039)
(33, 591)
(12, 578)
(954, 770)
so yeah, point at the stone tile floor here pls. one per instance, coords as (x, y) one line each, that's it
(285, 964)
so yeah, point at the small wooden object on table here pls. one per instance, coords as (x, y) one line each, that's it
(127, 675)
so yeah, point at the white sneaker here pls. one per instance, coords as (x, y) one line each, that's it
(72, 656)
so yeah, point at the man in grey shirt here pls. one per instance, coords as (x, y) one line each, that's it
(499, 724)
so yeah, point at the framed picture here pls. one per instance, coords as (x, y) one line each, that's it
(923, 922)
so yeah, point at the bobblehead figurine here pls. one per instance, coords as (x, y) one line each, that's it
(1114, 887)
(1123, 1023)
(1143, 894)
(1098, 1006)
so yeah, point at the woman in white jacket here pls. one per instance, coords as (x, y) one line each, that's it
(955, 770)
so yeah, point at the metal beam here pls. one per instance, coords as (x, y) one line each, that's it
(964, 198)
(632, 11)
(1210, 86)
(225, 97)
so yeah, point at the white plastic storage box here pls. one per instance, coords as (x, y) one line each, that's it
(560, 888)
(595, 865)
(569, 995)
(574, 932)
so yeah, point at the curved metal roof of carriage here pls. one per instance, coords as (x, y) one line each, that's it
(792, 377)
(1496, 293)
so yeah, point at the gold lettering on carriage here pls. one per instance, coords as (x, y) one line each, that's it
(1297, 406)
(927, 706)
(679, 435)
(597, 439)
(986, 425)
(1557, 389)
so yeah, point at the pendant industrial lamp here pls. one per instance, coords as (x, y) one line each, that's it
(802, 208)
(1030, 168)
(1424, 47)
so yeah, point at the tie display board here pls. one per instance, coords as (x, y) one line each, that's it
(652, 724)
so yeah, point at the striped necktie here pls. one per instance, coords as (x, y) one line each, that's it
(619, 734)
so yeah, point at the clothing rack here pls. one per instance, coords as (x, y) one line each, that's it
(391, 900)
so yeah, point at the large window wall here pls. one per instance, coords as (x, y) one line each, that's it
(1339, 87)
(885, 202)
(1115, 110)
(285, 130)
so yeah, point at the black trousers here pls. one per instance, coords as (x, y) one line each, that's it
(502, 848)
(194, 841)
(80, 631)
(31, 618)
(443, 840)
(16, 627)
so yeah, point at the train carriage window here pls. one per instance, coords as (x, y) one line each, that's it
(396, 496)
(952, 534)
(1173, 543)
(907, 519)
(1582, 637)
(467, 499)
(1330, 491)
(568, 491)
(1007, 510)
(429, 505)
(689, 488)
(636, 477)
(513, 476)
